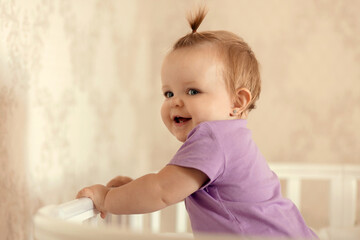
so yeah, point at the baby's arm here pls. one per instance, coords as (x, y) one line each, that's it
(118, 181)
(149, 193)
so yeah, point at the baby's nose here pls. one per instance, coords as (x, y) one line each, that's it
(176, 102)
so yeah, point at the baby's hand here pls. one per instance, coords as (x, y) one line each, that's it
(97, 194)
(118, 181)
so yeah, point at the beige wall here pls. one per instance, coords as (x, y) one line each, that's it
(80, 93)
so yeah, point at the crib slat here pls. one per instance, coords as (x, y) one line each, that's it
(155, 222)
(293, 191)
(181, 218)
(349, 201)
(336, 197)
(136, 222)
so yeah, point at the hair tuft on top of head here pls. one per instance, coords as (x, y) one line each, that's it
(196, 19)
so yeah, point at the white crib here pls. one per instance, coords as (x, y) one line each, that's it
(343, 196)
(78, 220)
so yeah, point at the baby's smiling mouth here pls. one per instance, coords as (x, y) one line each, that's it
(180, 120)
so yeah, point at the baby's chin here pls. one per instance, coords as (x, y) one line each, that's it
(181, 139)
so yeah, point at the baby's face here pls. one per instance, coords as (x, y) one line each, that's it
(194, 89)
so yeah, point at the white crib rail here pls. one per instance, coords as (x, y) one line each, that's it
(82, 211)
(55, 222)
(78, 210)
(343, 181)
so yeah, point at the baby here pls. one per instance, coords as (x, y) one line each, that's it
(210, 82)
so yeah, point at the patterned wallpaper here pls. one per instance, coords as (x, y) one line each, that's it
(80, 94)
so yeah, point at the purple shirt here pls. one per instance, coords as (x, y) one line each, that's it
(242, 195)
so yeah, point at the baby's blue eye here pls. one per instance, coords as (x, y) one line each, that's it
(193, 91)
(168, 94)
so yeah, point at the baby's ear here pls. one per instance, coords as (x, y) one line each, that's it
(242, 100)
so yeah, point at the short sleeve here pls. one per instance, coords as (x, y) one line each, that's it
(201, 151)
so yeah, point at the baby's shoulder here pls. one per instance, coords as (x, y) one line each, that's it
(225, 130)
(224, 127)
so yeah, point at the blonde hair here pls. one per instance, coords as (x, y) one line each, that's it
(241, 67)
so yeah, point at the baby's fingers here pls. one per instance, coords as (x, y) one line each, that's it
(85, 192)
(103, 215)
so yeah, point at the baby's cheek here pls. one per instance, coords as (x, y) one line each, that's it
(164, 112)
(165, 116)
